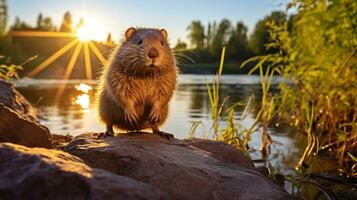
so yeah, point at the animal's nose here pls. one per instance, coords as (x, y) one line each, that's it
(153, 53)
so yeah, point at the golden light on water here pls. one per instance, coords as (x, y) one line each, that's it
(83, 88)
(83, 101)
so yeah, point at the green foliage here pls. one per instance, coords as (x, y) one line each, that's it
(20, 25)
(238, 42)
(233, 133)
(180, 45)
(197, 34)
(260, 36)
(67, 22)
(44, 24)
(220, 37)
(207, 45)
(3, 16)
(8, 71)
(318, 63)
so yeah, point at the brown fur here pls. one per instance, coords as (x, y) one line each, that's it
(135, 89)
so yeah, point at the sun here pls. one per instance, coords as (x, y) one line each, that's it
(84, 34)
(84, 39)
(90, 30)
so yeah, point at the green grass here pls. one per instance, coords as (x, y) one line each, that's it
(234, 133)
(8, 71)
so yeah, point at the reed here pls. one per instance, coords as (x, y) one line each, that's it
(318, 94)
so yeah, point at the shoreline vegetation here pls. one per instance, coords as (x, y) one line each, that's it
(318, 96)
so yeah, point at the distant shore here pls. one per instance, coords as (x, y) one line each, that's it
(211, 68)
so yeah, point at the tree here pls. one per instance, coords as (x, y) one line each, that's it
(260, 36)
(3, 16)
(196, 35)
(39, 21)
(180, 45)
(47, 24)
(67, 22)
(109, 40)
(44, 23)
(209, 35)
(237, 47)
(220, 37)
(80, 23)
(20, 25)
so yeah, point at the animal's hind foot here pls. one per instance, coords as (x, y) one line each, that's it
(107, 133)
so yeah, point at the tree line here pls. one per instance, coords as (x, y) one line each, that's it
(45, 23)
(206, 41)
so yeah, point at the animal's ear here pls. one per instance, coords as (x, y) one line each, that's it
(130, 32)
(163, 33)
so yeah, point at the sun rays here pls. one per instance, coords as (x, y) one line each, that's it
(81, 41)
(53, 58)
(88, 46)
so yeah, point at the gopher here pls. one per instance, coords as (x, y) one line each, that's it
(138, 82)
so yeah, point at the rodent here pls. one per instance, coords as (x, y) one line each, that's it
(138, 82)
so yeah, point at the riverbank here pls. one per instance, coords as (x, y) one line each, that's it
(128, 166)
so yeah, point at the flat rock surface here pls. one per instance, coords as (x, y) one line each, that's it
(11, 98)
(190, 169)
(37, 173)
(15, 128)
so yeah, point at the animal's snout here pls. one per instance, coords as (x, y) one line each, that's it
(153, 53)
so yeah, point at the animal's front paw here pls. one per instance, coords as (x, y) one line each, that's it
(130, 116)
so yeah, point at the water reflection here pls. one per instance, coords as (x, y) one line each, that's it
(83, 101)
(83, 87)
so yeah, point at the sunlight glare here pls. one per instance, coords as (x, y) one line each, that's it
(84, 33)
(83, 88)
(90, 30)
(83, 101)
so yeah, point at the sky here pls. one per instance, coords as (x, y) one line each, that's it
(116, 16)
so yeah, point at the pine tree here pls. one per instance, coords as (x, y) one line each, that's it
(3, 16)
(67, 22)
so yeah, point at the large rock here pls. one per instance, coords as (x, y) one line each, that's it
(192, 169)
(37, 173)
(11, 98)
(17, 129)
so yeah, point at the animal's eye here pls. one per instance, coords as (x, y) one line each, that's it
(162, 43)
(140, 41)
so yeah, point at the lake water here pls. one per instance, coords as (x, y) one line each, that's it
(75, 112)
